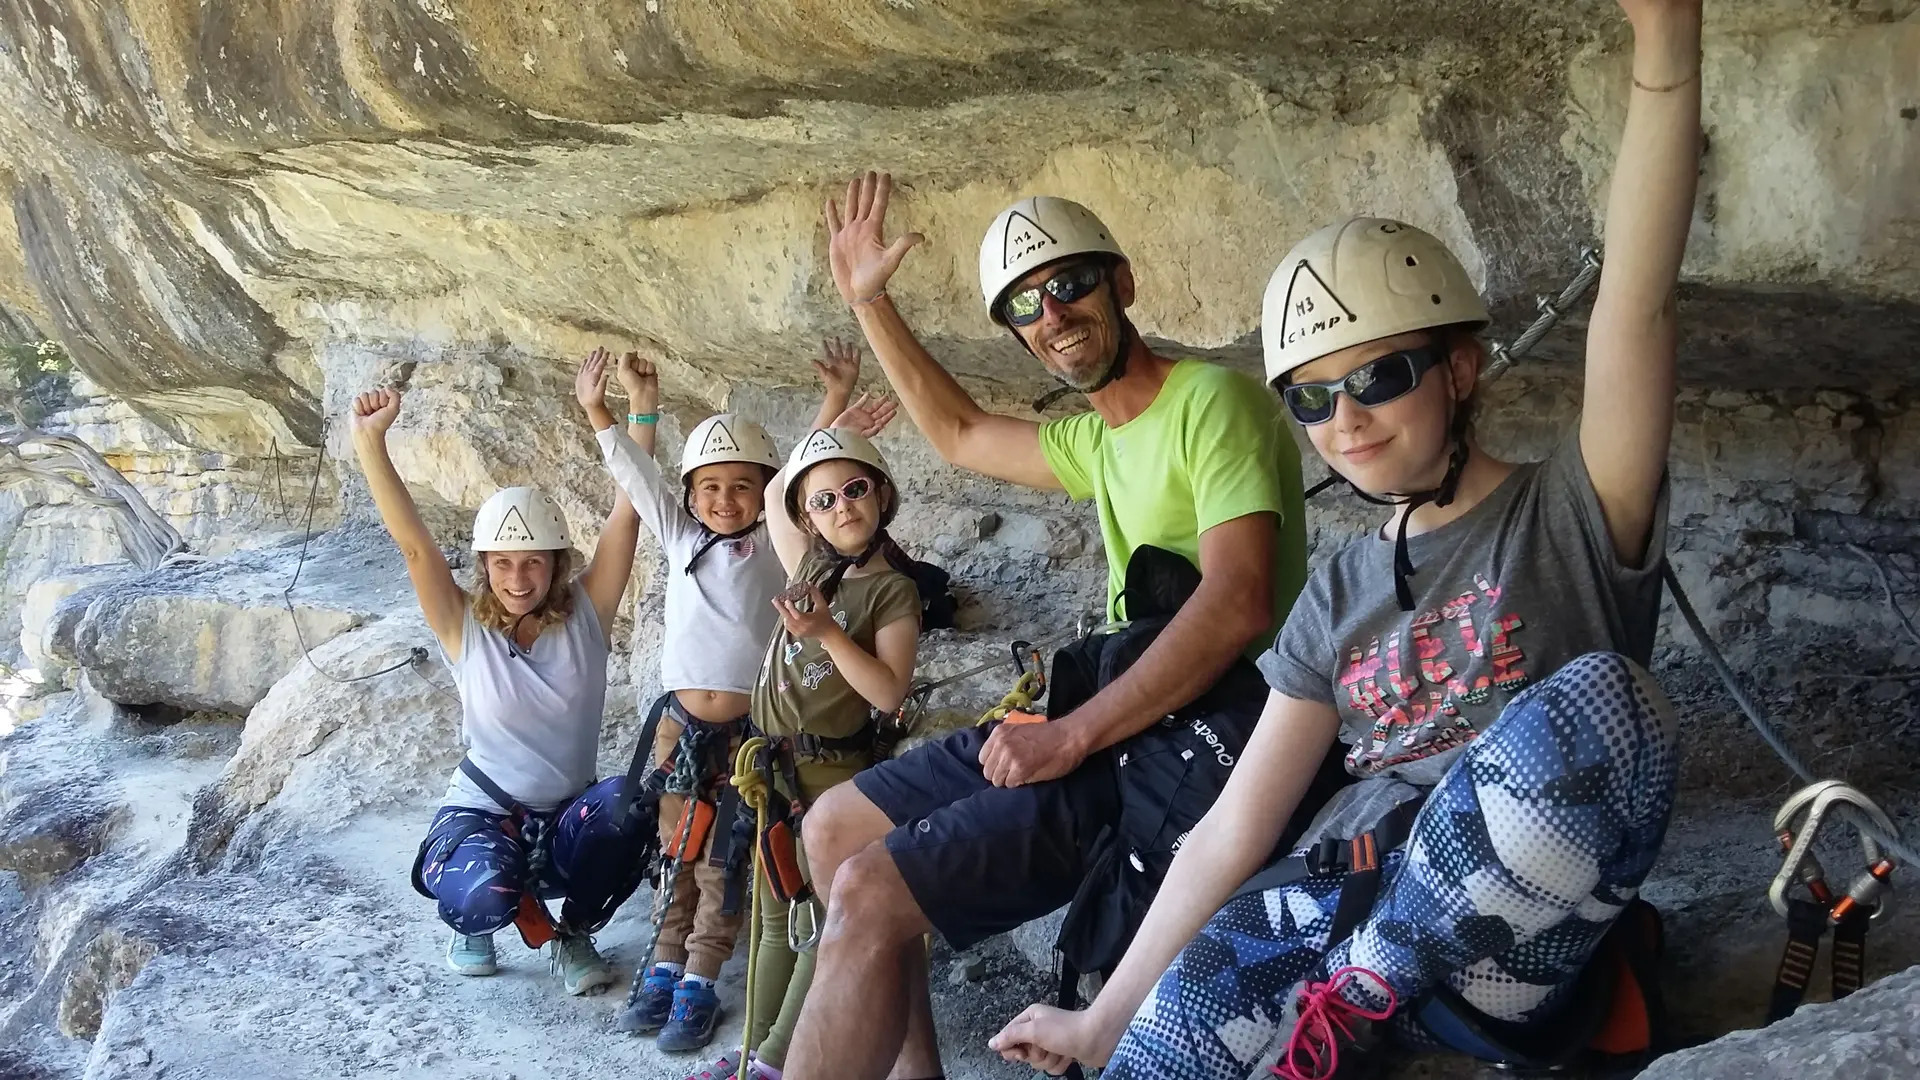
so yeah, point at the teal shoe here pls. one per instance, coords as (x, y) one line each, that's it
(471, 954)
(581, 968)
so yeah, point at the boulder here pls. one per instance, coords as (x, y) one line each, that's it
(326, 740)
(1873, 1035)
(217, 634)
(43, 598)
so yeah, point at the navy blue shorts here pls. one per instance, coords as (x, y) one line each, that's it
(980, 859)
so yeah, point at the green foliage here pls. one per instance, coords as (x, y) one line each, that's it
(36, 374)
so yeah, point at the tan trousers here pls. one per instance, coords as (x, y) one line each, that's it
(693, 932)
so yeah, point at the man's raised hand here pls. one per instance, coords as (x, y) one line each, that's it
(862, 260)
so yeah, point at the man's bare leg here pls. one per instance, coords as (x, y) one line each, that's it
(856, 1014)
(920, 1057)
(837, 828)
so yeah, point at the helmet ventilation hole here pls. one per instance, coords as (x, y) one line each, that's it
(1436, 298)
(1411, 261)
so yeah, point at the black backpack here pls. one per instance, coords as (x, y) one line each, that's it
(1168, 776)
(937, 603)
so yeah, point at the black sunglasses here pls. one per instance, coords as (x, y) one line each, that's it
(1070, 284)
(1372, 384)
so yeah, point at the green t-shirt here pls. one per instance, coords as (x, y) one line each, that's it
(1210, 448)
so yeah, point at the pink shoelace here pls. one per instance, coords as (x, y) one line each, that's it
(1323, 1022)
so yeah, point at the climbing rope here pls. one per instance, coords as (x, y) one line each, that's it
(752, 786)
(1029, 686)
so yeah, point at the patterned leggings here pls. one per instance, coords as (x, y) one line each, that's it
(478, 882)
(1530, 845)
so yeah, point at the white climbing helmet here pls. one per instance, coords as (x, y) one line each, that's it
(832, 444)
(1358, 281)
(1032, 233)
(519, 519)
(727, 437)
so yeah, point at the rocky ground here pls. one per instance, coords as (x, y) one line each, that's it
(211, 897)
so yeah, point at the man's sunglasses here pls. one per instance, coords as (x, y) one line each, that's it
(1371, 385)
(1073, 283)
(826, 499)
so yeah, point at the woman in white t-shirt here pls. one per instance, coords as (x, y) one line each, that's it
(1483, 655)
(522, 820)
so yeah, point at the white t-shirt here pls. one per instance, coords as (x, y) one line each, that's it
(531, 719)
(719, 617)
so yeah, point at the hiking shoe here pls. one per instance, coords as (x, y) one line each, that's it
(695, 1014)
(1329, 1023)
(471, 954)
(581, 969)
(649, 1011)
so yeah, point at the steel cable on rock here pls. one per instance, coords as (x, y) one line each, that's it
(415, 656)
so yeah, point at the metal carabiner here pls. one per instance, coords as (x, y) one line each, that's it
(1817, 800)
(795, 941)
(1025, 653)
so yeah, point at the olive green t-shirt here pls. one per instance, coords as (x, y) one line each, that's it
(800, 689)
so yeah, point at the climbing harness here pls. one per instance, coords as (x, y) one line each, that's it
(524, 827)
(1848, 915)
(680, 774)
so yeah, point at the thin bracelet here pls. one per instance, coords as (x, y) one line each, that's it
(643, 418)
(870, 299)
(1668, 88)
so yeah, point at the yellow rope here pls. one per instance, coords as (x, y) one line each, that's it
(752, 786)
(1020, 697)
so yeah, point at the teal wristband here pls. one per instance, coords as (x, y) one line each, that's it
(643, 418)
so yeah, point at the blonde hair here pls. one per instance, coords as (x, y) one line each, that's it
(556, 608)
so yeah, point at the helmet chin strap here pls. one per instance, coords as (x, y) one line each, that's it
(1442, 495)
(713, 539)
(1115, 369)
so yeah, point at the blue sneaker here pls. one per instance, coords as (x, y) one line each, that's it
(649, 1012)
(692, 1020)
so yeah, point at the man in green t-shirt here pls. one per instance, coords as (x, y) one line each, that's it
(991, 828)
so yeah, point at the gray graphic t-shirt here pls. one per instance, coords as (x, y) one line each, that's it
(1504, 595)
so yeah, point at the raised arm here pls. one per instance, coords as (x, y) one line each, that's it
(1224, 850)
(961, 431)
(629, 454)
(789, 540)
(839, 370)
(606, 575)
(642, 385)
(1232, 605)
(1627, 419)
(441, 600)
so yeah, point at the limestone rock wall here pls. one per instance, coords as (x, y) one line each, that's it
(239, 200)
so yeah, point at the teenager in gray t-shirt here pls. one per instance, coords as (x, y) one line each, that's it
(1483, 650)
